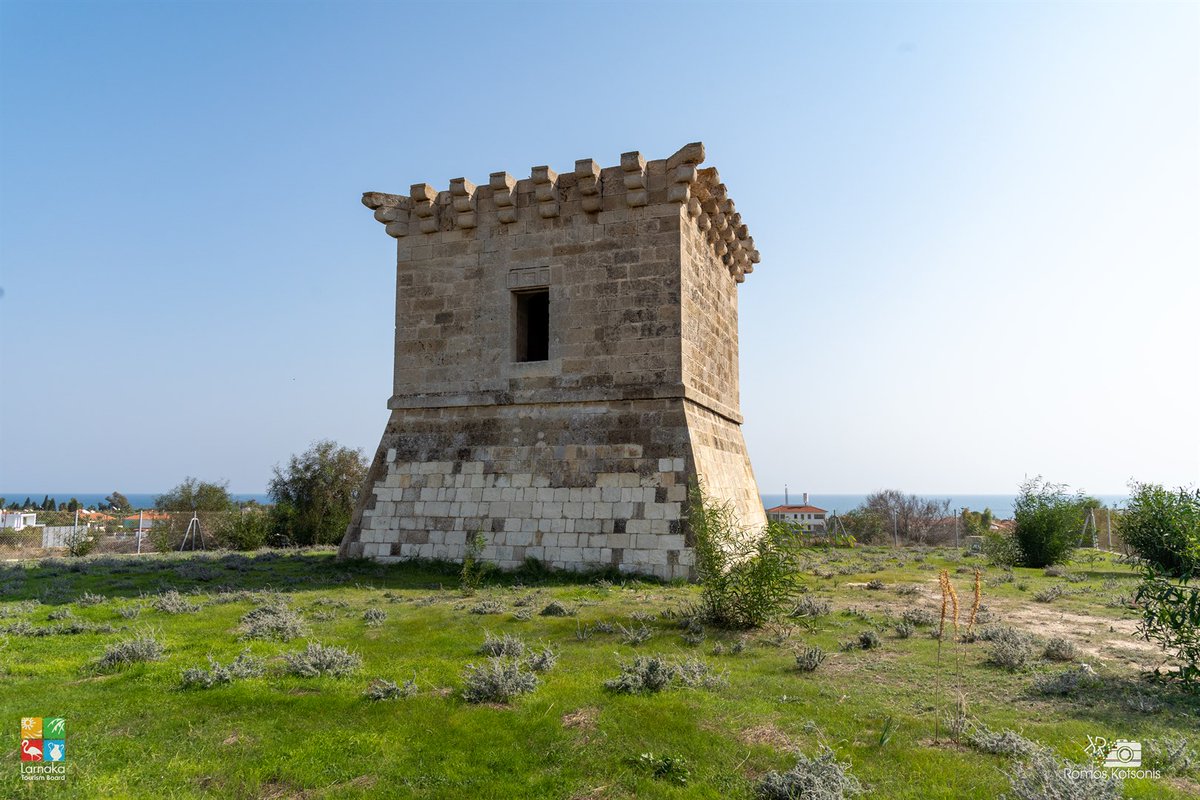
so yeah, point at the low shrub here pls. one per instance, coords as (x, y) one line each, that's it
(1010, 648)
(905, 630)
(1067, 682)
(243, 666)
(497, 681)
(382, 689)
(822, 777)
(1003, 743)
(1174, 756)
(696, 674)
(1049, 594)
(644, 675)
(484, 607)
(557, 609)
(89, 599)
(506, 646)
(129, 612)
(272, 621)
(542, 660)
(809, 658)
(918, 616)
(649, 674)
(172, 602)
(869, 640)
(374, 617)
(141, 648)
(1060, 649)
(1044, 776)
(317, 659)
(876, 585)
(635, 636)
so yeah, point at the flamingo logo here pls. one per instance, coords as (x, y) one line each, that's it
(30, 751)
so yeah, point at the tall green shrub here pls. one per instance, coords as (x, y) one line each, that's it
(1171, 617)
(1163, 527)
(746, 579)
(246, 530)
(1048, 522)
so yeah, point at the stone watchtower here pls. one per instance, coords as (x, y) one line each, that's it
(566, 364)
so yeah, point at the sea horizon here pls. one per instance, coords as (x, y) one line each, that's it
(1001, 504)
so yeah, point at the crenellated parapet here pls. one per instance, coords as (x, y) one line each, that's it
(589, 192)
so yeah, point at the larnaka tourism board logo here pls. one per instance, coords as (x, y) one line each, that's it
(43, 748)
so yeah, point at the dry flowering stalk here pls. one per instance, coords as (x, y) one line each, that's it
(943, 581)
(953, 601)
(975, 604)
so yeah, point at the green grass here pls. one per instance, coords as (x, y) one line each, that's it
(137, 733)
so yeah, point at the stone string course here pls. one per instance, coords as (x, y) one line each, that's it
(584, 459)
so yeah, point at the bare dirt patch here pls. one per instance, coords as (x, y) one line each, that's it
(1099, 637)
(768, 735)
(584, 718)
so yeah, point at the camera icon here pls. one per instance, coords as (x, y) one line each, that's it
(1124, 753)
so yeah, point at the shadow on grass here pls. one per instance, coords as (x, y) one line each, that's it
(64, 580)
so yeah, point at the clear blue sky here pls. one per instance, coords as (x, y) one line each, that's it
(978, 222)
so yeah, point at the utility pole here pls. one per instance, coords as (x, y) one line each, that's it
(895, 529)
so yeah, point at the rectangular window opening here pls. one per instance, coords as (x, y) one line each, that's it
(532, 319)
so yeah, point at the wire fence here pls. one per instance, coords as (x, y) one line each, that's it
(137, 532)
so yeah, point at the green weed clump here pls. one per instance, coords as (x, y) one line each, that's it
(822, 777)
(317, 659)
(668, 768)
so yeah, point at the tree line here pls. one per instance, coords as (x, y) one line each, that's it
(312, 499)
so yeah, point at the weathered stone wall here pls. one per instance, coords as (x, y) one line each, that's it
(583, 459)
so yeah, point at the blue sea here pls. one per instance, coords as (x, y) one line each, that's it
(1000, 504)
(136, 499)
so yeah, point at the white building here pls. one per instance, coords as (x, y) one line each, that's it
(804, 516)
(17, 519)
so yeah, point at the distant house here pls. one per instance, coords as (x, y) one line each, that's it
(17, 519)
(804, 516)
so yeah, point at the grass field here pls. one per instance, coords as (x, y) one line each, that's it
(136, 731)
